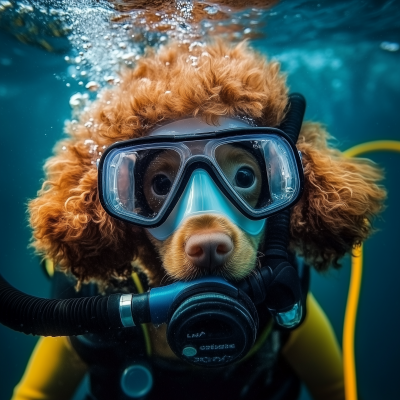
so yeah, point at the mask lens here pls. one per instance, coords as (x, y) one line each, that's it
(261, 172)
(242, 168)
(141, 181)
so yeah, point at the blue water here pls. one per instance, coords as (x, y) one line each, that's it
(342, 55)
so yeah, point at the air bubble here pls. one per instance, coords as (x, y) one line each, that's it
(109, 79)
(78, 100)
(128, 56)
(195, 44)
(92, 86)
(211, 10)
(6, 4)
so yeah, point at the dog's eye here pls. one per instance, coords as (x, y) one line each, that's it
(161, 184)
(244, 177)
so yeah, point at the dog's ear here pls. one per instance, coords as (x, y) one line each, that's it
(340, 200)
(71, 227)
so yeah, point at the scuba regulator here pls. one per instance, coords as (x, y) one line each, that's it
(211, 322)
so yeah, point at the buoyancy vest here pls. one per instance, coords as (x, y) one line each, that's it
(263, 374)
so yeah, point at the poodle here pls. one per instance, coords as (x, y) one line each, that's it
(341, 196)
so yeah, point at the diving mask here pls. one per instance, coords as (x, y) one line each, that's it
(246, 173)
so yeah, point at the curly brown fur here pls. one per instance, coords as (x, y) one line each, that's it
(71, 227)
(341, 198)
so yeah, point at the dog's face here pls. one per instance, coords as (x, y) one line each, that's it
(206, 244)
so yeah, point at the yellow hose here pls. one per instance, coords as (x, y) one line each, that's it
(145, 330)
(349, 365)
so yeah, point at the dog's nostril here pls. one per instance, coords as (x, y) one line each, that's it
(224, 248)
(208, 250)
(194, 251)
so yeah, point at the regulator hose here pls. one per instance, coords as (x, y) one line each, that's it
(277, 282)
(296, 108)
(68, 317)
(284, 291)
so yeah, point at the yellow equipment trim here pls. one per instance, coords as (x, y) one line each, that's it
(137, 282)
(146, 334)
(349, 366)
(49, 266)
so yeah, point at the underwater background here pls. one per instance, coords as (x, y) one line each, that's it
(343, 56)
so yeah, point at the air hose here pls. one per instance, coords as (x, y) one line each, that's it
(69, 317)
(285, 290)
(349, 364)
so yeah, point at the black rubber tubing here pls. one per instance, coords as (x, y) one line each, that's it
(291, 125)
(283, 288)
(277, 234)
(49, 317)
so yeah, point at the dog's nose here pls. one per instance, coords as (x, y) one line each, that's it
(208, 250)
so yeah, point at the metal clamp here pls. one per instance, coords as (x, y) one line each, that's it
(125, 310)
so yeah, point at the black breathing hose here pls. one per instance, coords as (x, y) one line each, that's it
(291, 125)
(284, 290)
(69, 317)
